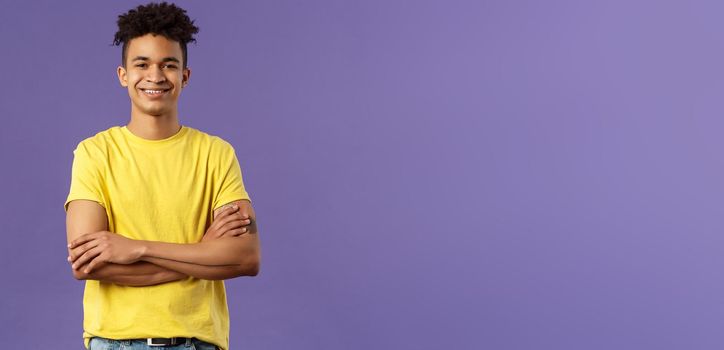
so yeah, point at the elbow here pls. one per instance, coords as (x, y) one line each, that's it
(248, 259)
(249, 271)
(254, 270)
(250, 266)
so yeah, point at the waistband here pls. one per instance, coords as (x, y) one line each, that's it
(160, 342)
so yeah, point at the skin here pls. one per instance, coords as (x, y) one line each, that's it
(89, 216)
(159, 68)
(230, 246)
(230, 241)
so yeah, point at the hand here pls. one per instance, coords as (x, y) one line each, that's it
(83, 267)
(229, 223)
(103, 247)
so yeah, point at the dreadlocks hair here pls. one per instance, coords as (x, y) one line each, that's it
(162, 18)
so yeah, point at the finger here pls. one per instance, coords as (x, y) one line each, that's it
(93, 264)
(228, 210)
(87, 256)
(215, 225)
(220, 220)
(82, 268)
(245, 222)
(78, 251)
(236, 232)
(243, 213)
(82, 239)
(213, 234)
(230, 218)
(232, 224)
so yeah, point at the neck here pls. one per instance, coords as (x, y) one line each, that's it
(153, 127)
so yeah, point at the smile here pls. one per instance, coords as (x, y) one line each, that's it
(150, 92)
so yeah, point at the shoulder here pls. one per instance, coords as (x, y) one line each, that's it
(214, 143)
(98, 143)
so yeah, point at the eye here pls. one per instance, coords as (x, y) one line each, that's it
(171, 66)
(141, 65)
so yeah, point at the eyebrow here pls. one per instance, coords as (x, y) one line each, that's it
(165, 59)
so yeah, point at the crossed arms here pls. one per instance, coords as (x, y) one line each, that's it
(229, 248)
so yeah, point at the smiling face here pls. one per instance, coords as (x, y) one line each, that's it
(154, 75)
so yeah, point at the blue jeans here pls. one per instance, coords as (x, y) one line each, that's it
(98, 343)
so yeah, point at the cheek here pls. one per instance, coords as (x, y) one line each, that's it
(131, 80)
(177, 79)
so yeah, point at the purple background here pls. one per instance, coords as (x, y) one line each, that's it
(427, 175)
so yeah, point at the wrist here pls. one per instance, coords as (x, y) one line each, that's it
(142, 250)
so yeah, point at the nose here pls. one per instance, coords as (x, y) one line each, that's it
(155, 75)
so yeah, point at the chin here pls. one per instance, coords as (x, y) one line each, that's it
(156, 112)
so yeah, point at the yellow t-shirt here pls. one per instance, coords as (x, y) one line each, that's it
(157, 190)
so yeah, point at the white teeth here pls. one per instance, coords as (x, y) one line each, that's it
(153, 91)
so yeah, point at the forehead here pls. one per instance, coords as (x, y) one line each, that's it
(154, 47)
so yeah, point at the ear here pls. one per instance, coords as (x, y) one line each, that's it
(122, 78)
(185, 77)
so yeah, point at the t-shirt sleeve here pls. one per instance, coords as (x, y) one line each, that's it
(231, 186)
(86, 181)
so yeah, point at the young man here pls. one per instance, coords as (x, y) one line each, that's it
(157, 213)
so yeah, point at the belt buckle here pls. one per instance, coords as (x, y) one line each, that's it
(150, 342)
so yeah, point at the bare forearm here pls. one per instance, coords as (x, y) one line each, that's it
(217, 252)
(219, 272)
(138, 274)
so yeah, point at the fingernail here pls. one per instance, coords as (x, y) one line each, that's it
(86, 271)
(68, 245)
(236, 207)
(68, 258)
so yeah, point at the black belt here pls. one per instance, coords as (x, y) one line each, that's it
(163, 341)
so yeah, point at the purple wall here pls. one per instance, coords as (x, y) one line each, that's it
(427, 175)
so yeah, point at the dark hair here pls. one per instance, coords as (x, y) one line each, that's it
(162, 18)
